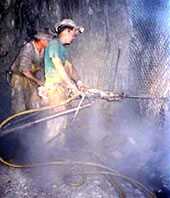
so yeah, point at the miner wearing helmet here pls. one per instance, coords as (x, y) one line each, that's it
(27, 73)
(61, 77)
(60, 74)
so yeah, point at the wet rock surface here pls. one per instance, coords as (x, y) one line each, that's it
(17, 183)
(78, 172)
(97, 146)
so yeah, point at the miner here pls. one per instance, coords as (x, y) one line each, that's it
(61, 77)
(27, 74)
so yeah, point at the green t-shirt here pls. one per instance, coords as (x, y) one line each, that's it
(55, 49)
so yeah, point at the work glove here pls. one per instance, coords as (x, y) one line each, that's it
(81, 86)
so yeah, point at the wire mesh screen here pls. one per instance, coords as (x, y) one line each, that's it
(149, 51)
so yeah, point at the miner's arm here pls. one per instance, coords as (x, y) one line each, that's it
(72, 72)
(26, 63)
(62, 74)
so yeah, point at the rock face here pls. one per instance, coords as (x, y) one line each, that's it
(68, 181)
(107, 35)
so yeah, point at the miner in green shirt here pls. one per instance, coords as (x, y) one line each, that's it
(60, 75)
(61, 78)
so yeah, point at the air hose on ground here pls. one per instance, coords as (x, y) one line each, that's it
(6, 121)
(103, 170)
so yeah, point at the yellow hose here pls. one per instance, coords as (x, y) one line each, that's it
(35, 110)
(107, 170)
(58, 162)
(132, 181)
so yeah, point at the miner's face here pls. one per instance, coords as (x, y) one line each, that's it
(44, 43)
(70, 34)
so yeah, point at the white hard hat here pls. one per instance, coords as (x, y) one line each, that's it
(42, 35)
(69, 23)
